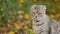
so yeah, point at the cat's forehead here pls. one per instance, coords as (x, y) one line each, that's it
(38, 7)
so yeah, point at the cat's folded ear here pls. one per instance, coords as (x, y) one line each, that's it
(43, 6)
(33, 7)
(42, 9)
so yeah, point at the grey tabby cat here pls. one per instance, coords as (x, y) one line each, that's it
(41, 23)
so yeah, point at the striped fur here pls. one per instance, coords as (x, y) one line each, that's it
(41, 23)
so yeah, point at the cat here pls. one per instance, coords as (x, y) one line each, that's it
(41, 23)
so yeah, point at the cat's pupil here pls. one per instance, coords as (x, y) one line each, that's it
(33, 13)
(36, 7)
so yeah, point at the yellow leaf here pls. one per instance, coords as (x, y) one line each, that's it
(18, 25)
(32, 31)
(35, 0)
(26, 16)
(52, 16)
(20, 12)
(26, 27)
(21, 1)
(20, 16)
(11, 32)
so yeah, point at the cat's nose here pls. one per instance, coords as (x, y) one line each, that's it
(36, 16)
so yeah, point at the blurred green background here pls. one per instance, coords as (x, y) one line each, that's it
(15, 18)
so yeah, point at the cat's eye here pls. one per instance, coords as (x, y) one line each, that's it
(35, 7)
(33, 13)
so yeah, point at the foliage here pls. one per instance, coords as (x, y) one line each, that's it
(15, 18)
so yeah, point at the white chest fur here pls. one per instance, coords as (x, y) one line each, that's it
(42, 25)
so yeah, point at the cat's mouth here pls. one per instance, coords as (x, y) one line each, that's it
(37, 21)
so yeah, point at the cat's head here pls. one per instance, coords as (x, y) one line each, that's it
(37, 11)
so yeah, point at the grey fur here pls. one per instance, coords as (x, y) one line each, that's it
(41, 23)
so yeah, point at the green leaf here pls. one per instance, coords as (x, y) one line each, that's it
(12, 29)
(28, 31)
(0, 12)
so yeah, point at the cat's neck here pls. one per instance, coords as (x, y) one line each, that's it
(45, 18)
